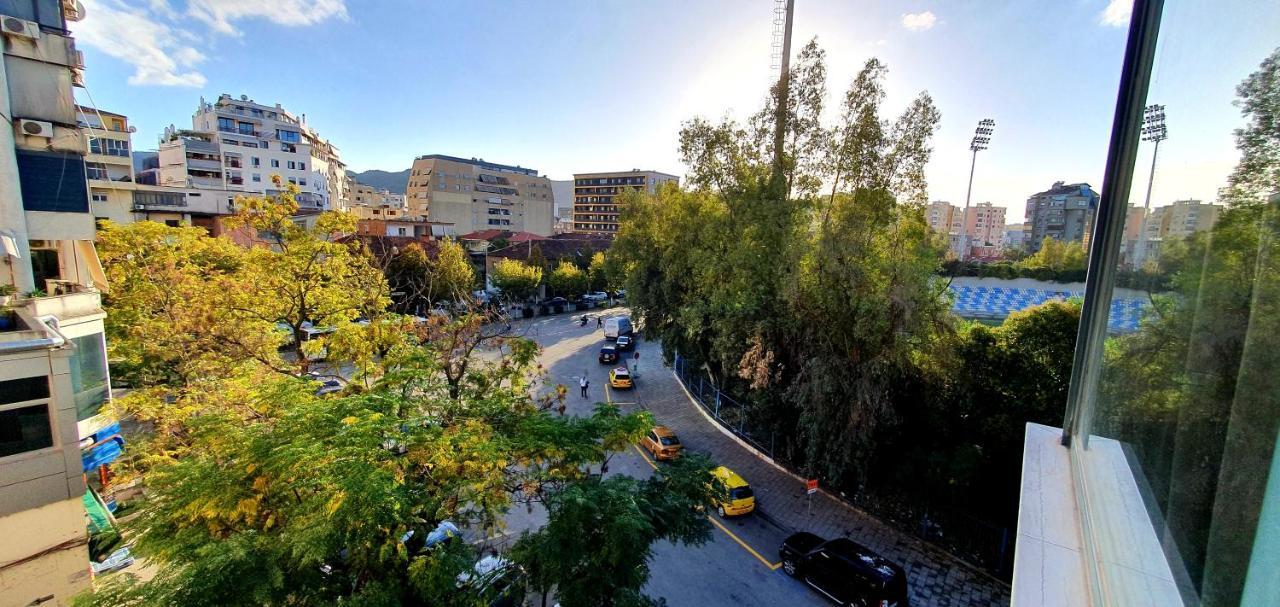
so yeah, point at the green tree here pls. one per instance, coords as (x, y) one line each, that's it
(567, 280)
(597, 272)
(1056, 256)
(595, 547)
(516, 280)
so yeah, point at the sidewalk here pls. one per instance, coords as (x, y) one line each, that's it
(936, 578)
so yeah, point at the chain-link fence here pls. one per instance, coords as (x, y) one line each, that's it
(980, 542)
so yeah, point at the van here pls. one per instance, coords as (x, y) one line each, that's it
(615, 326)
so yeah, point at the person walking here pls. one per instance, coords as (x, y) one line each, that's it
(599, 321)
(584, 384)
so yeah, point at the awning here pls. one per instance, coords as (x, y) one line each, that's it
(106, 447)
(99, 519)
(90, 255)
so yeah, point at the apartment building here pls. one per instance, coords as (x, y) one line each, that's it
(117, 191)
(984, 225)
(562, 193)
(1062, 212)
(595, 204)
(943, 217)
(238, 144)
(1015, 236)
(53, 369)
(369, 196)
(1181, 219)
(478, 195)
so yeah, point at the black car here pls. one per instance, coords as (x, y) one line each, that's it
(608, 355)
(626, 343)
(846, 572)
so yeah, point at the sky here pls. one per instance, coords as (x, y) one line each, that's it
(594, 85)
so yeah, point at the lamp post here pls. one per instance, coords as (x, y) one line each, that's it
(1153, 130)
(981, 137)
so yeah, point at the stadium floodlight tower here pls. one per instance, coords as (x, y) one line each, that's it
(981, 138)
(1155, 131)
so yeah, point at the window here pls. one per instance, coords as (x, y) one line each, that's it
(226, 125)
(109, 147)
(292, 164)
(254, 161)
(89, 374)
(288, 136)
(96, 170)
(288, 147)
(24, 424)
(245, 128)
(98, 196)
(302, 181)
(257, 177)
(275, 163)
(302, 166)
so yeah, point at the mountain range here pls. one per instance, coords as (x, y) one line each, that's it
(392, 182)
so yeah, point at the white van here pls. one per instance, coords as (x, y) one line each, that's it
(615, 326)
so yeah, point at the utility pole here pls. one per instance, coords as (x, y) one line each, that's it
(981, 138)
(783, 17)
(1154, 130)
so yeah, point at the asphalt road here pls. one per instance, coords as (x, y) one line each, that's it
(738, 567)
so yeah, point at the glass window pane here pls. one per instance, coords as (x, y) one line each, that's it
(25, 429)
(1189, 391)
(89, 375)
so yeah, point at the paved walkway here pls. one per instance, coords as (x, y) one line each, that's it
(936, 578)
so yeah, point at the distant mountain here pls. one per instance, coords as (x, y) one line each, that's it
(393, 182)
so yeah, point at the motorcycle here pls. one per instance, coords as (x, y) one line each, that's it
(583, 321)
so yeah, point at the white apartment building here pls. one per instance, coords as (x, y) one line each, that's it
(984, 225)
(54, 382)
(238, 144)
(943, 217)
(114, 189)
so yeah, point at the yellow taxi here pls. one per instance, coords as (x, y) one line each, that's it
(662, 443)
(740, 499)
(620, 379)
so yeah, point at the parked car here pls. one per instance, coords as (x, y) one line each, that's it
(608, 355)
(662, 443)
(620, 379)
(620, 294)
(495, 580)
(844, 571)
(615, 326)
(740, 499)
(597, 296)
(626, 343)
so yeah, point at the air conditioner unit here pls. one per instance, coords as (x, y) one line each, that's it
(36, 128)
(19, 28)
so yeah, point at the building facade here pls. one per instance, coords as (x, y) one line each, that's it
(595, 202)
(238, 144)
(477, 195)
(984, 225)
(369, 196)
(943, 217)
(53, 370)
(1063, 212)
(1181, 219)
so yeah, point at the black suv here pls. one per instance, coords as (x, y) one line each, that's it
(846, 572)
(608, 355)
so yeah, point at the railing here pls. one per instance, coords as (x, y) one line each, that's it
(978, 542)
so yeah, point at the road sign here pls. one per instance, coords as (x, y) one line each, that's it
(811, 486)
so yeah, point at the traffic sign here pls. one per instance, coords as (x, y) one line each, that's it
(811, 486)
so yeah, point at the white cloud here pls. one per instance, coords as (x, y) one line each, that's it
(220, 14)
(919, 22)
(155, 50)
(148, 35)
(1117, 13)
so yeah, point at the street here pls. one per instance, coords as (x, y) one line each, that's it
(739, 566)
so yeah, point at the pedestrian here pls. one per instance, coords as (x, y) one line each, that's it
(584, 384)
(599, 322)
(637, 356)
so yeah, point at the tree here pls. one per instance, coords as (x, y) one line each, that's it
(567, 280)
(1056, 256)
(516, 280)
(595, 547)
(597, 272)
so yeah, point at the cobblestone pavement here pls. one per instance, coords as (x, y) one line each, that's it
(936, 578)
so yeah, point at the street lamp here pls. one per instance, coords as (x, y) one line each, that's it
(981, 138)
(1153, 130)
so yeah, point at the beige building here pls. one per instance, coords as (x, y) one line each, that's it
(114, 189)
(367, 195)
(477, 195)
(595, 206)
(53, 369)
(1181, 219)
(984, 225)
(943, 217)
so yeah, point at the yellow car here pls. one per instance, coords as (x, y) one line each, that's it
(740, 500)
(620, 379)
(662, 443)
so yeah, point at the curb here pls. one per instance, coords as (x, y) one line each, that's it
(919, 542)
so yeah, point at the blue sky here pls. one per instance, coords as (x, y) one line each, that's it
(577, 86)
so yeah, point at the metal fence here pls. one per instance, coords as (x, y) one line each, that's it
(978, 542)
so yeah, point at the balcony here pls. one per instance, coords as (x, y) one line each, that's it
(201, 163)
